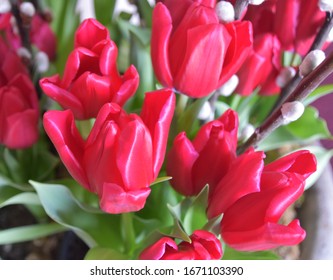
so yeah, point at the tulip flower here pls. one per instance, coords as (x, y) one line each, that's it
(91, 78)
(123, 153)
(251, 223)
(192, 51)
(295, 22)
(204, 246)
(265, 65)
(19, 105)
(206, 159)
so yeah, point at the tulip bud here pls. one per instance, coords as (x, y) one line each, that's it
(225, 11)
(256, 2)
(42, 62)
(325, 5)
(311, 61)
(285, 76)
(229, 86)
(206, 112)
(292, 111)
(4, 6)
(27, 9)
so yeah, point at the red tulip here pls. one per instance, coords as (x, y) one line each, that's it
(18, 103)
(251, 223)
(204, 246)
(122, 155)
(295, 22)
(191, 51)
(264, 62)
(206, 160)
(91, 78)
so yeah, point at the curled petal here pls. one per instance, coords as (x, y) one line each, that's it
(301, 162)
(61, 129)
(115, 200)
(266, 237)
(159, 249)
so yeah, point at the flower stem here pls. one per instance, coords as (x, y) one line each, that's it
(128, 232)
(304, 88)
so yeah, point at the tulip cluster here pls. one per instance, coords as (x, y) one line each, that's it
(197, 49)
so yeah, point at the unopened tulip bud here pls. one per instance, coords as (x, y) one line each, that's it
(256, 2)
(27, 9)
(229, 86)
(246, 132)
(325, 5)
(206, 112)
(311, 61)
(4, 6)
(225, 11)
(292, 111)
(285, 76)
(42, 62)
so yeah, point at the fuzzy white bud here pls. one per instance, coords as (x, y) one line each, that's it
(311, 61)
(4, 6)
(256, 2)
(285, 76)
(42, 62)
(325, 5)
(206, 112)
(225, 11)
(24, 53)
(246, 132)
(292, 111)
(27, 9)
(229, 86)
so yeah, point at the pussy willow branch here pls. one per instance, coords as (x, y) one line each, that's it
(240, 6)
(304, 88)
(317, 44)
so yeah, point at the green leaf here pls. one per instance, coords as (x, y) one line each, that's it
(142, 34)
(317, 93)
(231, 254)
(100, 253)
(310, 126)
(26, 198)
(160, 180)
(93, 228)
(27, 233)
(146, 11)
(104, 10)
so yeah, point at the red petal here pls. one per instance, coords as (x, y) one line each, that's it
(89, 33)
(60, 127)
(179, 165)
(202, 65)
(157, 112)
(243, 178)
(158, 249)
(161, 30)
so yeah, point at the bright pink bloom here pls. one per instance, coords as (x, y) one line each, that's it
(204, 246)
(122, 155)
(91, 77)
(251, 223)
(207, 158)
(295, 22)
(264, 64)
(191, 51)
(18, 102)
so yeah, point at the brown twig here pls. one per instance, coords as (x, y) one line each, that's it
(304, 88)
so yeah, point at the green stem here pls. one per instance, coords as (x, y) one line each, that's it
(128, 232)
